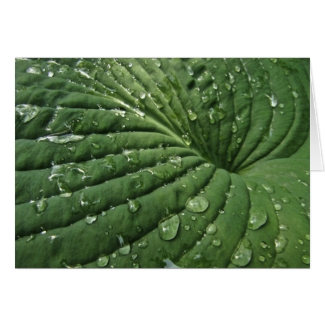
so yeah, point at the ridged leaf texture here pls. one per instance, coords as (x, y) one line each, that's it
(152, 163)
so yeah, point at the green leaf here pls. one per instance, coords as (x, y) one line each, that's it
(162, 163)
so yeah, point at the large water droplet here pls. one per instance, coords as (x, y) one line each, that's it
(257, 217)
(211, 229)
(102, 261)
(109, 163)
(90, 219)
(142, 95)
(268, 188)
(133, 206)
(132, 156)
(34, 70)
(168, 227)
(62, 139)
(216, 242)
(305, 259)
(280, 243)
(41, 205)
(221, 113)
(211, 117)
(243, 253)
(64, 189)
(273, 100)
(175, 161)
(192, 115)
(197, 204)
(237, 68)
(187, 139)
(143, 244)
(27, 112)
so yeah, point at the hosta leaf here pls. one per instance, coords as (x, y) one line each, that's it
(162, 163)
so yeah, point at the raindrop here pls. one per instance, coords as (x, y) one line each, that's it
(295, 94)
(190, 70)
(130, 64)
(280, 243)
(232, 78)
(211, 229)
(64, 189)
(207, 165)
(261, 258)
(95, 123)
(102, 261)
(142, 95)
(192, 115)
(305, 259)
(41, 205)
(237, 68)
(176, 161)
(307, 237)
(205, 99)
(210, 114)
(193, 218)
(90, 219)
(168, 227)
(133, 206)
(187, 139)
(134, 256)
(34, 70)
(300, 241)
(143, 244)
(273, 100)
(263, 244)
(95, 145)
(215, 86)
(31, 237)
(221, 113)
(228, 86)
(135, 265)
(27, 112)
(283, 227)
(268, 188)
(50, 74)
(243, 253)
(234, 127)
(257, 217)
(277, 206)
(197, 204)
(285, 200)
(187, 227)
(216, 242)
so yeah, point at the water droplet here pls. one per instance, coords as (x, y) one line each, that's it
(277, 206)
(192, 115)
(239, 140)
(157, 62)
(176, 161)
(41, 205)
(273, 100)
(143, 244)
(142, 95)
(27, 112)
(305, 259)
(183, 185)
(257, 217)
(90, 219)
(295, 94)
(135, 265)
(50, 74)
(125, 250)
(243, 253)
(61, 139)
(234, 127)
(168, 227)
(102, 261)
(193, 176)
(210, 114)
(280, 243)
(300, 241)
(197, 204)
(232, 78)
(216, 242)
(221, 211)
(95, 123)
(237, 68)
(132, 156)
(190, 70)
(187, 227)
(283, 227)
(261, 258)
(130, 64)
(207, 165)
(307, 237)
(268, 188)
(34, 70)
(64, 189)
(187, 139)
(193, 218)
(285, 200)
(263, 244)
(205, 99)
(133, 206)
(114, 255)
(211, 229)
(273, 60)
(31, 237)
(95, 145)
(221, 113)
